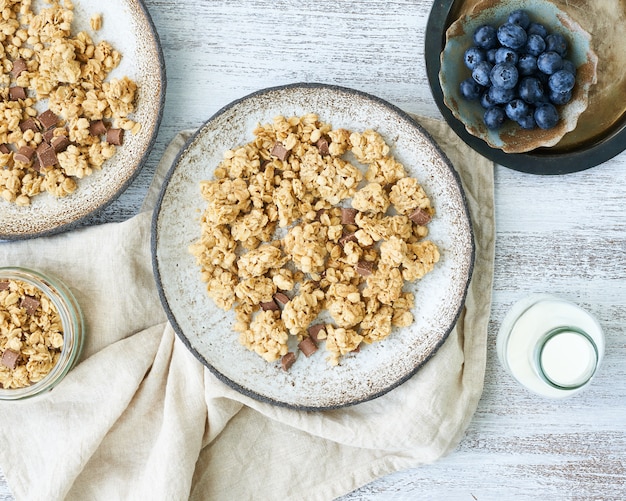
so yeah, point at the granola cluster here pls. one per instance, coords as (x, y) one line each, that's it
(31, 334)
(308, 247)
(42, 65)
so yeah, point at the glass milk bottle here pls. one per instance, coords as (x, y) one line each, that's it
(551, 346)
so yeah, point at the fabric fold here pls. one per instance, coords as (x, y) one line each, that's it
(48, 441)
(159, 435)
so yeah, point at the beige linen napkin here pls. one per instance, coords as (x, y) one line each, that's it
(140, 418)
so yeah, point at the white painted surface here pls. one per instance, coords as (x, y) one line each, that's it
(563, 235)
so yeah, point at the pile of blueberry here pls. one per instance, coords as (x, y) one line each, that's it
(519, 71)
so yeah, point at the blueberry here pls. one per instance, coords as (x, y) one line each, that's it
(531, 90)
(537, 29)
(481, 73)
(516, 109)
(473, 56)
(568, 65)
(527, 121)
(491, 55)
(512, 36)
(549, 62)
(535, 45)
(520, 17)
(494, 117)
(527, 65)
(556, 43)
(504, 75)
(470, 89)
(546, 116)
(501, 96)
(485, 37)
(561, 81)
(506, 55)
(560, 98)
(486, 101)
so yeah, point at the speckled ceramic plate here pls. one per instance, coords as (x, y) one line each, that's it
(600, 133)
(129, 29)
(311, 383)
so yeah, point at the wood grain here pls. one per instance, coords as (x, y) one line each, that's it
(564, 235)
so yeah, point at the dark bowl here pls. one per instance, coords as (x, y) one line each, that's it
(600, 133)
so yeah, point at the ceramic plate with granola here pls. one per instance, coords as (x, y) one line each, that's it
(81, 91)
(312, 246)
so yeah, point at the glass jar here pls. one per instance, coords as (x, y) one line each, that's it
(550, 345)
(72, 323)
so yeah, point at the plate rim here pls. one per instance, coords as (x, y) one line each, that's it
(78, 222)
(539, 161)
(172, 318)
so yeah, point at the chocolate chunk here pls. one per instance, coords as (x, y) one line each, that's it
(281, 298)
(319, 213)
(16, 93)
(59, 143)
(280, 151)
(30, 304)
(9, 358)
(287, 361)
(36, 166)
(348, 215)
(97, 128)
(420, 217)
(314, 331)
(115, 136)
(322, 145)
(4, 285)
(4, 148)
(307, 346)
(29, 124)
(47, 156)
(350, 237)
(364, 268)
(24, 154)
(48, 119)
(269, 306)
(48, 135)
(19, 65)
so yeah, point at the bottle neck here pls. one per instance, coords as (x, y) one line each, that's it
(566, 358)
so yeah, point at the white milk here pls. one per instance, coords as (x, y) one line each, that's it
(551, 346)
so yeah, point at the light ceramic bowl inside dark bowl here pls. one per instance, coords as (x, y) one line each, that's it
(511, 138)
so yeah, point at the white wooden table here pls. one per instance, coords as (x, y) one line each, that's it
(565, 235)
